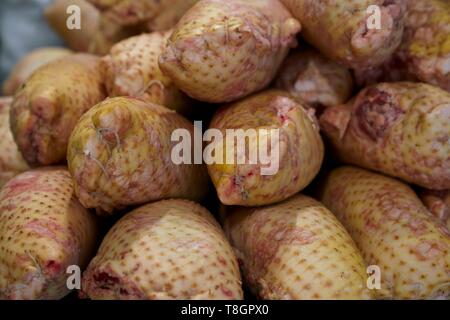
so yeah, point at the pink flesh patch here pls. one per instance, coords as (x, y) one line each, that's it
(28, 182)
(227, 292)
(427, 250)
(267, 245)
(54, 231)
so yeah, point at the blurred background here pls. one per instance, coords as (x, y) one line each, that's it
(22, 29)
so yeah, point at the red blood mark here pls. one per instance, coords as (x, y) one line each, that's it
(283, 117)
(230, 188)
(371, 224)
(222, 261)
(237, 180)
(377, 113)
(53, 268)
(8, 207)
(103, 279)
(21, 184)
(44, 227)
(123, 254)
(266, 244)
(227, 292)
(26, 182)
(284, 106)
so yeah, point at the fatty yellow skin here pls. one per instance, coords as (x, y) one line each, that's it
(221, 51)
(11, 160)
(46, 108)
(426, 45)
(424, 53)
(171, 249)
(314, 79)
(401, 129)
(43, 231)
(296, 250)
(120, 155)
(393, 230)
(301, 150)
(28, 64)
(438, 202)
(131, 69)
(339, 29)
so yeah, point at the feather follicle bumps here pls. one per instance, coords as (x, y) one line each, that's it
(229, 149)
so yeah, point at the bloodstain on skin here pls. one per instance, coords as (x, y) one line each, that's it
(267, 243)
(46, 228)
(222, 261)
(53, 267)
(370, 223)
(227, 292)
(29, 182)
(396, 211)
(105, 280)
(8, 207)
(18, 186)
(377, 113)
(123, 254)
(284, 106)
(52, 230)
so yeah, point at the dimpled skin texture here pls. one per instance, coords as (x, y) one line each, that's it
(424, 53)
(400, 129)
(47, 107)
(223, 50)
(131, 69)
(339, 29)
(438, 202)
(314, 79)
(393, 230)
(296, 250)
(172, 249)
(120, 154)
(157, 15)
(28, 64)
(301, 150)
(11, 161)
(426, 44)
(43, 230)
